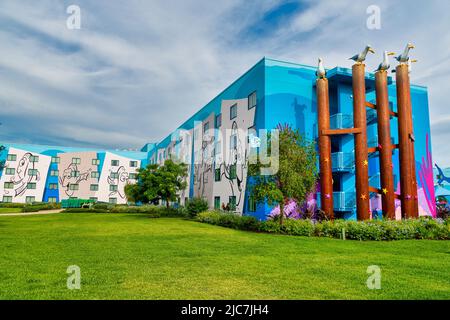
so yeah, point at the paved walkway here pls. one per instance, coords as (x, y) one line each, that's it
(31, 213)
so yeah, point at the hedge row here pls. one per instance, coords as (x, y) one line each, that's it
(422, 228)
(153, 211)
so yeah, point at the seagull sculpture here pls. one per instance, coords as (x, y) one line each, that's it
(404, 57)
(385, 64)
(410, 62)
(359, 58)
(320, 73)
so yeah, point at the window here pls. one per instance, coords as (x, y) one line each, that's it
(11, 157)
(217, 174)
(34, 158)
(7, 199)
(10, 171)
(94, 187)
(32, 172)
(252, 100)
(132, 176)
(113, 187)
(76, 161)
(233, 111)
(31, 185)
(93, 199)
(205, 127)
(56, 159)
(115, 163)
(218, 148)
(30, 199)
(251, 204)
(75, 174)
(233, 171)
(51, 199)
(95, 162)
(232, 203)
(54, 173)
(95, 174)
(73, 186)
(233, 141)
(219, 120)
(113, 200)
(53, 186)
(133, 164)
(114, 175)
(9, 185)
(217, 203)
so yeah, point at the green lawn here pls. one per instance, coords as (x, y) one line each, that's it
(10, 210)
(134, 257)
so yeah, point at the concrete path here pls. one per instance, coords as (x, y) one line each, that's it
(31, 213)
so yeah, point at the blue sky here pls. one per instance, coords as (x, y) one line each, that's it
(137, 69)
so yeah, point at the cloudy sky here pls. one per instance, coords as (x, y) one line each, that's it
(137, 69)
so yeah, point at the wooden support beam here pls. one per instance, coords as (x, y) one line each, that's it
(332, 132)
(379, 191)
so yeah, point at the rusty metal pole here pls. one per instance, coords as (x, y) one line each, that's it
(326, 175)
(361, 152)
(385, 145)
(405, 136)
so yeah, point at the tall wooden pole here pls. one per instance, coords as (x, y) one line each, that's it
(408, 183)
(361, 152)
(326, 175)
(385, 145)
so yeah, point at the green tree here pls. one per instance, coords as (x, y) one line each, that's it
(297, 170)
(157, 182)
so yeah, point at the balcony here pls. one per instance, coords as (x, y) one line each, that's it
(343, 161)
(342, 201)
(341, 121)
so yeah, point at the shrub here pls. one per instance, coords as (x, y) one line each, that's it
(229, 220)
(84, 210)
(195, 206)
(35, 207)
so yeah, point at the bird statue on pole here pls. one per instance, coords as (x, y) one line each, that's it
(320, 73)
(383, 66)
(404, 57)
(410, 62)
(359, 58)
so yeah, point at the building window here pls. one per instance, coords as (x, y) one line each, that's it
(115, 163)
(76, 161)
(233, 142)
(30, 199)
(113, 187)
(31, 185)
(54, 173)
(10, 171)
(9, 185)
(233, 171)
(217, 174)
(32, 172)
(251, 204)
(133, 164)
(11, 157)
(95, 174)
(232, 203)
(75, 174)
(51, 199)
(252, 100)
(94, 187)
(56, 159)
(233, 111)
(218, 120)
(218, 148)
(113, 200)
(114, 175)
(7, 199)
(132, 176)
(95, 162)
(73, 186)
(53, 186)
(217, 203)
(34, 158)
(205, 127)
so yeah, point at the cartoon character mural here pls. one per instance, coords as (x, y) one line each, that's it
(22, 176)
(118, 178)
(69, 177)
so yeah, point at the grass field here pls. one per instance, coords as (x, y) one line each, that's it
(10, 210)
(134, 257)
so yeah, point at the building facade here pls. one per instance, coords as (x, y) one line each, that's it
(217, 141)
